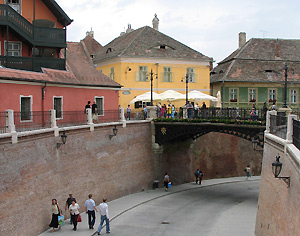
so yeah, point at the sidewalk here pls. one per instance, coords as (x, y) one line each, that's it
(122, 205)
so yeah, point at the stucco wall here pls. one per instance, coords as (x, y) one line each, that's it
(33, 171)
(278, 206)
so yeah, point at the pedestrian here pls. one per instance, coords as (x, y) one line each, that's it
(273, 107)
(74, 211)
(90, 209)
(88, 105)
(196, 110)
(169, 111)
(162, 111)
(247, 170)
(68, 203)
(173, 112)
(189, 107)
(103, 210)
(197, 176)
(200, 176)
(145, 112)
(95, 111)
(203, 105)
(166, 181)
(265, 109)
(128, 110)
(55, 213)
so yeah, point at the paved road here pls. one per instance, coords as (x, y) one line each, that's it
(219, 207)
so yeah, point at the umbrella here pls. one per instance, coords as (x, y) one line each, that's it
(199, 96)
(145, 97)
(171, 95)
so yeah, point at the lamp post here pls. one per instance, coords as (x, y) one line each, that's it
(115, 131)
(63, 139)
(285, 85)
(186, 88)
(151, 81)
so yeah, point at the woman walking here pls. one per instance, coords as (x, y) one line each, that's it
(74, 211)
(55, 213)
(166, 181)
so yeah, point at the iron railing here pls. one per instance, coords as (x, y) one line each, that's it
(32, 64)
(278, 125)
(26, 121)
(38, 36)
(3, 128)
(296, 133)
(70, 118)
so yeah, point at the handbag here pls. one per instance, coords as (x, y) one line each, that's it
(79, 218)
(61, 220)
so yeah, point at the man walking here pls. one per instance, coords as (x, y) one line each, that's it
(68, 203)
(90, 209)
(95, 111)
(103, 210)
(197, 176)
(128, 110)
(248, 172)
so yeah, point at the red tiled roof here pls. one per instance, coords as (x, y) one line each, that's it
(91, 44)
(79, 71)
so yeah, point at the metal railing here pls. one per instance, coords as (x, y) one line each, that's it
(32, 64)
(26, 121)
(278, 125)
(3, 122)
(296, 133)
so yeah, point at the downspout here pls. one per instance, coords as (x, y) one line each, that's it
(223, 97)
(43, 104)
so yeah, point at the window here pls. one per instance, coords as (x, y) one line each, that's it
(100, 105)
(191, 74)
(25, 108)
(112, 72)
(293, 96)
(15, 4)
(142, 73)
(167, 74)
(141, 104)
(14, 49)
(233, 94)
(57, 106)
(44, 52)
(272, 95)
(252, 95)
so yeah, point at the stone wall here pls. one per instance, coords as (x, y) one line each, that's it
(33, 171)
(279, 206)
(217, 155)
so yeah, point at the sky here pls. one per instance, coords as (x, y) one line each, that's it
(210, 27)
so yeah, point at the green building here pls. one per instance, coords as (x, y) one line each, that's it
(255, 73)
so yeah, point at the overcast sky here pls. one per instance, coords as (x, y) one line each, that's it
(210, 27)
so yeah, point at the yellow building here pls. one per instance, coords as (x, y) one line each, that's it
(130, 58)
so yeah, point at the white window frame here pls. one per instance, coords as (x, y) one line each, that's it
(102, 105)
(15, 42)
(250, 94)
(230, 93)
(143, 73)
(62, 103)
(190, 71)
(112, 73)
(295, 95)
(167, 74)
(31, 102)
(269, 93)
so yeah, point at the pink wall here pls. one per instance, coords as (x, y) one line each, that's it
(74, 99)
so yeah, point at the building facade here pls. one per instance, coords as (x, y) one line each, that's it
(33, 34)
(130, 58)
(255, 73)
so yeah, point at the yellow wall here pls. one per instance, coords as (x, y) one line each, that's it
(128, 79)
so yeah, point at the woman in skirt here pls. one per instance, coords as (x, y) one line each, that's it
(74, 211)
(55, 213)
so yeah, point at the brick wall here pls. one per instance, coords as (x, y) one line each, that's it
(33, 171)
(278, 206)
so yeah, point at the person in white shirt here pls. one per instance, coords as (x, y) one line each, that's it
(90, 209)
(74, 211)
(103, 210)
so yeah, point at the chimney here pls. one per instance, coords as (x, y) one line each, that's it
(155, 22)
(242, 39)
(129, 29)
(90, 33)
(277, 49)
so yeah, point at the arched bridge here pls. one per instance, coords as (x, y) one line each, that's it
(166, 132)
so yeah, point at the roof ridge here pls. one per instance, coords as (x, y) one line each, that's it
(142, 29)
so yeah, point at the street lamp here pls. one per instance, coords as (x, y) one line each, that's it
(187, 80)
(151, 80)
(115, 131)
(63, 139)
(276, 168)
(285, 86)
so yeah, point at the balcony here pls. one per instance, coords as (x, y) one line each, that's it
(32, 64)
(38, 36)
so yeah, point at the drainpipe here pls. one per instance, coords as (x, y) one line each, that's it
(223, 97)
(43, 105)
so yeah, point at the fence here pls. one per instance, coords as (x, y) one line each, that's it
(25, 121)
(278, 125)
(2, 122)
(296, 133)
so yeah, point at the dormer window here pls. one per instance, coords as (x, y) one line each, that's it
(109, 50)
(269, 71)
(221, 71)
(163, 47)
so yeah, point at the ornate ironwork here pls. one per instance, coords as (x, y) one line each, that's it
(168, 132)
